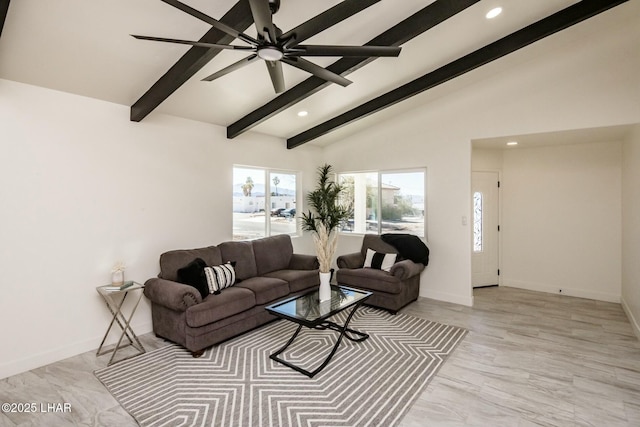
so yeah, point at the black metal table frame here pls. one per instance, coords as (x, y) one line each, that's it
(322, 324)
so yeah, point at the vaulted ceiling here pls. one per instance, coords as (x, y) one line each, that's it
(84, 47)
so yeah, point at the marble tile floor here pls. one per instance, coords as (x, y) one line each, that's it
(530, 359)
(69, 381)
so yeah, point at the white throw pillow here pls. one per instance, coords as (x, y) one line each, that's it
(220, 277)
(379, 260)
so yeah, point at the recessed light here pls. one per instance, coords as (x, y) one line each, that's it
(303, 113)
(512, 143)
(494, 12)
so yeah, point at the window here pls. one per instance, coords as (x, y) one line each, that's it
(385, 202)
(264, 202)
(477, 222)
(361, 195)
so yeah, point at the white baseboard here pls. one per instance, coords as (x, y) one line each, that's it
(635, 325)
(446, 297)
(572, 292)
(34, 361)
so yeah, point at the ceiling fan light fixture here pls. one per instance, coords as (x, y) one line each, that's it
(494, 12)
(270, 53)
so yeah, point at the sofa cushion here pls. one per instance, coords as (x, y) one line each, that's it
(242, 254)
(379, 260)
(229, 302)
(171, 261)
(272, 253)
(266, 289)
(298, 280)
(370, 279)
(193, 274)
(219, 277)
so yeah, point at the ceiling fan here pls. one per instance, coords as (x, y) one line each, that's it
(275, 47)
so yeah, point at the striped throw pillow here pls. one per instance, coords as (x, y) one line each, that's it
(379, 260)
(220, 277)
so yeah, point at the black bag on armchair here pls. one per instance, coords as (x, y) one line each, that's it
(408, 246)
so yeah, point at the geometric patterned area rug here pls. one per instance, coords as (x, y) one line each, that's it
(236, 384)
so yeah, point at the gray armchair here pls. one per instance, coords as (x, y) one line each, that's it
(391, 290)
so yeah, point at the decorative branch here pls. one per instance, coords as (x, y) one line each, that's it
(117, 267)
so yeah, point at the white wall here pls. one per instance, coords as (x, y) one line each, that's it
(486, 160)
(561, 219)
(83, 187)
(584, 77)
(631, 228)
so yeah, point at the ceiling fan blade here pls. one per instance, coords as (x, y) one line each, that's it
(329, 50)
(235, 66)
(263, 19)
(211, 21)
(277, 77)
(326, 19)
(191, 43)
(317, 71)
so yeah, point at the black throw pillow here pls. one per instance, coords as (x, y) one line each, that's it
(193, 274)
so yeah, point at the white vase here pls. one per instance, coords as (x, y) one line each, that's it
(325, 286)
(117, 278)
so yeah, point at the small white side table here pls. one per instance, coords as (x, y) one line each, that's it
(114, 298)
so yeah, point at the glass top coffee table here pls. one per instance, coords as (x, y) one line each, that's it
(306, 310)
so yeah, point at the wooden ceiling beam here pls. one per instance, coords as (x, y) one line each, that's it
(4, 9)
(515, 41)
(238, 17)
(409, 28)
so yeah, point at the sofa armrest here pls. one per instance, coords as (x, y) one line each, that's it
(173, 295)
(406, 268)
(303, 262)
(354, 260)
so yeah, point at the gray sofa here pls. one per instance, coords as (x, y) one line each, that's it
(267, 270)
(391, 290)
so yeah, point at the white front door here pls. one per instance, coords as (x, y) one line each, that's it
(484, 201)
